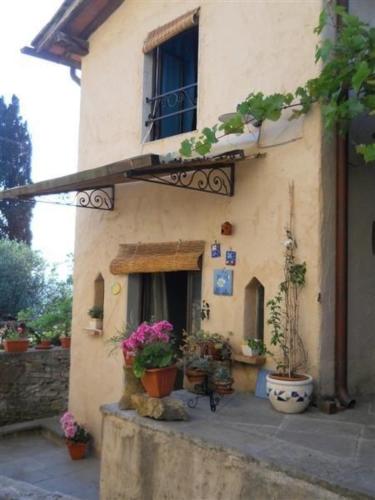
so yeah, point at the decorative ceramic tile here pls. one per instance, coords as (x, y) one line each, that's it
(223, 282)
(215, 250)
(230, 258)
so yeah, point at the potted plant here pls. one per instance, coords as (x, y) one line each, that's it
(76, 436)
(65, 340)
(154, 357)
(203, 343)
(254, 347)
(96, 315)
(223, 381)
(14, 341)
(196, 369)
(288, 389)
(45, 339)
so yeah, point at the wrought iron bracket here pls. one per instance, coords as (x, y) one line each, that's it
(101, 198)
(98, 199)
(213, 179)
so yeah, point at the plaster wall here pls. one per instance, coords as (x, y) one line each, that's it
(243, 46)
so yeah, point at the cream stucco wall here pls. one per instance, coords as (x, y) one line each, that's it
(243, 46)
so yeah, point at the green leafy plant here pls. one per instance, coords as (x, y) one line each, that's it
(345, 87)
(201, 341)
(49, 335)
(96, 312)
(222, 375)
(197, 363)
(284, 312)
(12, 334)
(155, 355)
(259, 346)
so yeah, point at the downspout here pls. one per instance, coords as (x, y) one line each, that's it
(74, 76)
(341, 285)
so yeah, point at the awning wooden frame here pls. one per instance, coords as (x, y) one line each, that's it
(95, 188)
(64, 40)
(158, 257)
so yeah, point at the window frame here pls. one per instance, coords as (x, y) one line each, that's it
(154, 119)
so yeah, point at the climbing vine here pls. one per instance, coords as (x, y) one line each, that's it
(345, 87)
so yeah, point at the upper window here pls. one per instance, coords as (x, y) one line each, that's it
(173, 104)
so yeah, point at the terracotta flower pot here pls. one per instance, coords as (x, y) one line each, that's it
(77, 451)
(65, 342)
(44, 344)
(209, 349)
(128, 358)
(159, 382)
(16, 345)
(195, 375)
(224, 388)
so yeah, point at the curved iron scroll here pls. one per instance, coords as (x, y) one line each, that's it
(99, 199)
(214, 180)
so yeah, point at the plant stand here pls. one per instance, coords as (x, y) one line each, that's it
(205, 390)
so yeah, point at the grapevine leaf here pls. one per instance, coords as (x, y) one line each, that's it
(367, 151)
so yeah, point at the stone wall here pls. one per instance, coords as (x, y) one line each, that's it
(33, 384)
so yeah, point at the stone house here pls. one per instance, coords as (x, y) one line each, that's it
(153, 72)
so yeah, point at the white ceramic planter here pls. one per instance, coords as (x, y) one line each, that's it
(96, 324)
(290, 396)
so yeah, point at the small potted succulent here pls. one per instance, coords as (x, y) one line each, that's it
(154, 357)
(223, 381)
(196, 369)
(14, 340)
(76, 436)
(96, 315)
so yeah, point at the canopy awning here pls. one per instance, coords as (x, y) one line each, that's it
(95, 187)
(158, 257)
(107, 175)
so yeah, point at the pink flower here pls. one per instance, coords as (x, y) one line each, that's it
(147, 334)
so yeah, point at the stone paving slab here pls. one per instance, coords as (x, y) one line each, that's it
(29, 457)
(18, 490)
(338, 449)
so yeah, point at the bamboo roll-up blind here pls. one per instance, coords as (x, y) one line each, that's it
(171, 29)
(158, 257)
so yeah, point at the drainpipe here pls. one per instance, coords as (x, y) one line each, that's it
(74, 76)
(341, 303)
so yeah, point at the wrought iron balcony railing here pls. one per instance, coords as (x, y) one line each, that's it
(185, 98)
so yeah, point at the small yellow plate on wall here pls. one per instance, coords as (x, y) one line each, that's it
(116, 288)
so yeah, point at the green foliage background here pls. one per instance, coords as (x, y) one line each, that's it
(31, 290)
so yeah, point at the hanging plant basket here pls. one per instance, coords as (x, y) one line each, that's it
(159, 382)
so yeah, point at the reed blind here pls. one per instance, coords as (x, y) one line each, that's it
(158, 257)
(171, 29)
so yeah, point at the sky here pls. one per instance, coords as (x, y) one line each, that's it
(49, 102)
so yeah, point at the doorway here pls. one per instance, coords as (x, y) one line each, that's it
(172, 296)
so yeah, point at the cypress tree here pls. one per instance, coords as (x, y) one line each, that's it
(15, 170)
